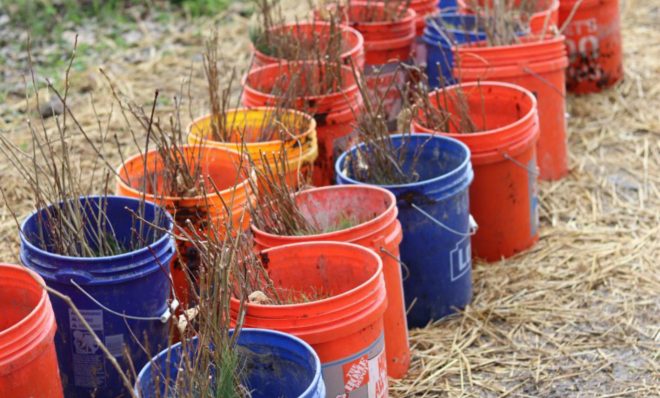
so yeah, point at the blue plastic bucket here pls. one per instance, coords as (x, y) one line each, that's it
(435, 217)
(136, 284)
(439, 30)
(276, 365)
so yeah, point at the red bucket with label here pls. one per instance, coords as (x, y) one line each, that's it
(343, 320)
(334, 112)
(593, 40)
(504, 193)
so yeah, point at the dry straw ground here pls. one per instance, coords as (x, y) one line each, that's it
(578, 315)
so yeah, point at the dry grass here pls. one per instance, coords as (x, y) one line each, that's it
(579, 314)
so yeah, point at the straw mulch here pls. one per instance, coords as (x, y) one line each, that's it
(579, 314)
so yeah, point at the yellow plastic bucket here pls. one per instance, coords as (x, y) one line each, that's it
(301, 149)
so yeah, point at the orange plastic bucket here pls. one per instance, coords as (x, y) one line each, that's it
(301, 149)
(352, 42)
(219, 165)
(546, 10)
(538, 66)
(593, 39)
(504, 193)
(334, 112)
(28, 362)
(345, 329)
(374, 225)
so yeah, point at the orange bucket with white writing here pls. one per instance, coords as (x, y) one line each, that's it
(340, 298)
(593, 40)
(28, 362)
(367, 216)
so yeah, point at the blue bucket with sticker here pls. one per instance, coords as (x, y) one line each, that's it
(274, 364)
(123, 298)
(441, 33)
(437, 228)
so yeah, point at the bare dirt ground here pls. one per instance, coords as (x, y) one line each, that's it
(578, 315)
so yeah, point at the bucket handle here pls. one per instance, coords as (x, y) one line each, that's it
(473, 226)
(543, 80)
(398, 260)
(506, 156)
(163, 318)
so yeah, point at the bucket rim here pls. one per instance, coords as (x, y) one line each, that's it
(462, 168)
(241, 186)
(523, 119)
(392, 207)
(246, 110)
(353, 51)
(293, 246)
(313, 385)
(250, 91)
(37, 316)
(162, 240)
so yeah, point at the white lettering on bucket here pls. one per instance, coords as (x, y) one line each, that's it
(460, 258)
(363, 375)
(86, 355)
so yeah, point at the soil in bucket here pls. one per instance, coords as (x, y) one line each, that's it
(346, 328)
(504, 195)
(28, 362)
(308, 41)
(273, 364)
(434, 213)
(123, 295)
(364, 215)
(265, 132)
(538, 66)
(328, 92)
(593, 40)
(195, 184)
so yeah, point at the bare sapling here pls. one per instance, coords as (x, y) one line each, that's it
(368, 12)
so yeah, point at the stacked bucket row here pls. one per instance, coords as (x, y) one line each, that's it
(477, 196)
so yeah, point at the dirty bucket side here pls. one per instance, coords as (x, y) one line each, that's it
(435, 218)
(135, 284)
(423, 9)
(593, 41)
(334, 112)
(28, 361)
(504, 196)
(344, 325)
(277, 364)
(368, 215)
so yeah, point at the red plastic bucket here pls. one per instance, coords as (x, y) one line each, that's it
(334, 113)
(593, 40)
(345, 329)
(28, 362)
(352, 42)
(538, 66)
(373, 212)
(504, 193)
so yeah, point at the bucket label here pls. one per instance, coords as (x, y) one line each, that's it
(533, 197)
(363, 375)
(460, 258)
(87, 357)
